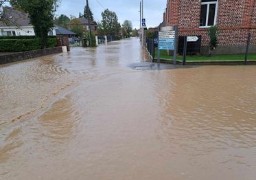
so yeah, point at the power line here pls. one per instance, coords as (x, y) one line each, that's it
(100, 4)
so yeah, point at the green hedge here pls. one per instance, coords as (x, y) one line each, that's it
(21, 44)
(23, 37)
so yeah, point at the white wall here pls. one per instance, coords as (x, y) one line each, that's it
(21, 31)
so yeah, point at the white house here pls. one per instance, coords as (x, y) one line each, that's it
(16, 23)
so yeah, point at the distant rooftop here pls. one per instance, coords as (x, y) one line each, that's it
(13, 17)
(63, 31)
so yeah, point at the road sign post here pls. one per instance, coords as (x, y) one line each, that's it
(143, 27)
(167, 40)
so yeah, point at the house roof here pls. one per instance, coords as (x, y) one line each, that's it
(13, 17)
(63, 31)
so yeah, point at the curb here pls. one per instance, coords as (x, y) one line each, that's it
(167, 61)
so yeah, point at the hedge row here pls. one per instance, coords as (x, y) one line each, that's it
(19, 45)
(23, 37)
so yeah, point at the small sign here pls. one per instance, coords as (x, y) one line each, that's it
(192, 38)
(167, 28)
(166, 44)
(166, 34)
(143, 23)
(167, 38)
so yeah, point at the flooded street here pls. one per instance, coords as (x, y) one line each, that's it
(89, 115)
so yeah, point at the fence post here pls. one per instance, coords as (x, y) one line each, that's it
(184, 50)
(247, 48)
(152, 49)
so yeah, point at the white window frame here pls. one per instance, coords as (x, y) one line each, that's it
(207, 13)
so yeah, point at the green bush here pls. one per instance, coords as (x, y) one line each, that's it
(23, 44)
(52, 42)
(87, 37)
(23, 37)
(213, 36)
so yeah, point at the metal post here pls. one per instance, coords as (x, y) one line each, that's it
(152, 50)
(142, 10)
(247, 48)
(175, 45)
(158, 50)
(184, 50)
(142, 15)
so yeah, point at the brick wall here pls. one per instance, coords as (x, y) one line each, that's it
(235, 19)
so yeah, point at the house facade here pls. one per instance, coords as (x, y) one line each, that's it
(17, 23)
(84, 24)
(234, 19)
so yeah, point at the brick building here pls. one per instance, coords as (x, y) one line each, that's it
(234, 19)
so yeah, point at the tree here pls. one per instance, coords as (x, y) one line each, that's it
(41, 15)
(76, 27)
(109, 23)
(135, 33)
(127, 28)
(62, 21)
(100, 29)
(87, 12)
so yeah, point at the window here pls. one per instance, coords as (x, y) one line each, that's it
(208, 13)
(9, 33)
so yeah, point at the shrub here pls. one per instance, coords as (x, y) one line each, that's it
(19, 43)
(87, 37)
(212, 33)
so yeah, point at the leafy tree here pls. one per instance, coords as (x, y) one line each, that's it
(41, 15)
(87, 36)
(62, 21)
(127, 28)
(109, 23)
(135, 33)
(150, 34)
(100, 29)
(76, 27)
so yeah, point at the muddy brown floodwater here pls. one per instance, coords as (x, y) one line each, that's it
(89, 115)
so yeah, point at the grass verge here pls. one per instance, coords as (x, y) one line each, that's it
(213, 58)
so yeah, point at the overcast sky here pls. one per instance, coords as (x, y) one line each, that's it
(125, 10)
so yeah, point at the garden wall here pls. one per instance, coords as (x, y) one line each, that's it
(19, 56)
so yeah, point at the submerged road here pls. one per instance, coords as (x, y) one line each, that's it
(101, 114)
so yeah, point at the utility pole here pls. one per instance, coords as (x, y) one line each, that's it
(140, 14)
(142, 28)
